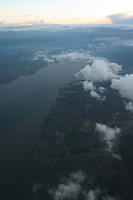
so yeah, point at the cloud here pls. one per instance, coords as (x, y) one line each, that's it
(125, 87)
(121, 18)
(129, 106)
(108, 135)
(128, 43)
(99, 70)
(93, 194)
(41, 55)
(96, 95)
(105, 42)
(97, 194)
(101, 90)
(74, 56)
(78, 177)
(89, 86)
(70, 188)
(74, 187)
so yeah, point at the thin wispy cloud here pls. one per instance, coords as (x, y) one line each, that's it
(74, 56)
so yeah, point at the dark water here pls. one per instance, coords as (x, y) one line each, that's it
(24, 104)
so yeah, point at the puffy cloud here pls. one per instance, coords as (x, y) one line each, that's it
(95, 95)
(124, 85)
(129, 106)
(70, 188)
(109, 135)
(78, 177)
(121, 18)
(88, 86)
(74, 186)
(99, 70)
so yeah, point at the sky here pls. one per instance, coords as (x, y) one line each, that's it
(63, 11)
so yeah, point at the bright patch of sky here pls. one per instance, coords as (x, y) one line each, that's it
(63, 10)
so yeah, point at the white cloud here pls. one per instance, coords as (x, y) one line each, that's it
(70, 188)
(74, 186)
(129, 106)
(88, 86)
(121, 18)
(109, 135)
(95, 95)
(99, 70)
(78, 177)
(41, 55)
(124, 85)
(74, 56)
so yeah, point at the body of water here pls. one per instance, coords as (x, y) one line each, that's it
(24, 104)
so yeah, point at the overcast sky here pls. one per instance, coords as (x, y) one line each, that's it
(62, 11)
